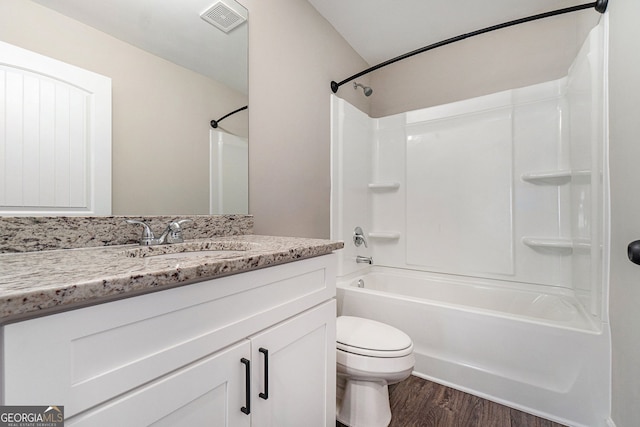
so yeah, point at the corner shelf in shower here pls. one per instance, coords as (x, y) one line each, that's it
(385, 235)
(384, 186)
(560, 244)
(555, 177)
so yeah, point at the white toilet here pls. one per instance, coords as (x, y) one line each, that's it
(370, 355)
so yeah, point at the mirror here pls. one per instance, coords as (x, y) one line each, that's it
(172, 73)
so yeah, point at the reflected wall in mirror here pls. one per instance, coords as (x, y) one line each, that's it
(172, 73)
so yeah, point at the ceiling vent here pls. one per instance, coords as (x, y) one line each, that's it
(224, 16)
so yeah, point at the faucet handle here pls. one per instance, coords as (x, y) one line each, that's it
(147, 234)
(175, 225)
(358, 237)
(175, 231)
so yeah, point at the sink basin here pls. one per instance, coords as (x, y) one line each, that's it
(205, 248)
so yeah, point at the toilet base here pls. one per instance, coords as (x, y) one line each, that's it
(365, 404)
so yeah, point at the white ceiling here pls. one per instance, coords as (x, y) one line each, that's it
(171, 29)
(383, 29)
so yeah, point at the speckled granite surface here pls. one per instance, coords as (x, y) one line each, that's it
(26, 234)
(46, 281)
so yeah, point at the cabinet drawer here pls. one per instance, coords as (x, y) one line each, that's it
(83, 357)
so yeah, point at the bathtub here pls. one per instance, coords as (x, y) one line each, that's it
(540, 352)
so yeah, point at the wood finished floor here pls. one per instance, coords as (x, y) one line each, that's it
(420, 403)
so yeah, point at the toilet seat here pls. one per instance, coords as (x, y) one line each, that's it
(384, 354)
(370, 338)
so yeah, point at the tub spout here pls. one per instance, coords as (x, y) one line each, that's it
(364, 259)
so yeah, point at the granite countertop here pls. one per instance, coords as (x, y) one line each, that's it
(43, 282)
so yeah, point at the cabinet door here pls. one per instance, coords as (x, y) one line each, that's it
(301, 375)
(210, 392)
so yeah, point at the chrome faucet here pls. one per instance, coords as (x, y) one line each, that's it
(171, 234)
(364, 259)
(358, 237)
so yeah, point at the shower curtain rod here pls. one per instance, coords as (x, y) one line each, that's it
(599, 5)
(214, 123)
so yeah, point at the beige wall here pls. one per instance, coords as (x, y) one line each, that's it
(509, 58)
(624, 150)
(161, 112)
(293, 55)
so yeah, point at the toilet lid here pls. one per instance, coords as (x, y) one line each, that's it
(370, 338)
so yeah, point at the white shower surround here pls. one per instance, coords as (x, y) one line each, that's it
(497, 195)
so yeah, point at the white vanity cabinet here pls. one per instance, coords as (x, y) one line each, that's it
(179, 357)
